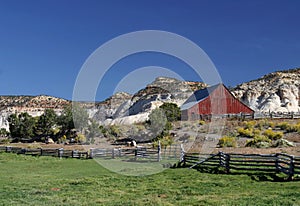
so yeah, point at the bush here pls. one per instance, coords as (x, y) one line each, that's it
(201, 122)
(227, 141)
(248, 132)
(293, 128)
(273, 135)
(80, 138)
(259, 141)
(283, 125)
(249, 124)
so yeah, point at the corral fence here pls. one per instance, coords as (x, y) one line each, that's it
(271, 163)
(45, 152)
(137, 153)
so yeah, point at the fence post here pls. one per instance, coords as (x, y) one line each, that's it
(60, 152)
(181, 153)
(277, 163)
(113, 153)
(159, 152)
(8, 149)
(41, 152)
(91, 153)
(227, 163)
(220, 158)
(120, 152)
(135, 153)
(291, 168)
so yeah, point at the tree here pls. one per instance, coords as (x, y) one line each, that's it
(158, 121)
(80, 117)
(93, 130)
(171, 111)
(73, 116)
(14, 125)
(21, 126)
(65, 120)
(46, 122)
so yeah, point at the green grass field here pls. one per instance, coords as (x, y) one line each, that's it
(26, 180)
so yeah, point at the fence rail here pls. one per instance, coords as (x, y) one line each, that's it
(273, 163)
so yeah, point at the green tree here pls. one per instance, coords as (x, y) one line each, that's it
(157, 121)
(65, 120)
(14, 125)
(80, 117)
(73, 116)
(21, 126)
(93, 131)
(171, 111)
(46, 122)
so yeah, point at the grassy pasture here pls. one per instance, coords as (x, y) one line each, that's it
(27, 180)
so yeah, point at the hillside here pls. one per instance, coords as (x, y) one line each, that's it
(274, 92)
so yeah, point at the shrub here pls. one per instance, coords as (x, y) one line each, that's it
(293, 128)
(283, 125)
(248, 132)
(259, 141)
(249, 124)
(201, 122)
(273, 135)
(227, 141)
(282, 143)
(80, 138)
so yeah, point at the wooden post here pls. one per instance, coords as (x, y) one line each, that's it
(92, 153)
(291, 168)
(220, 159)
(113, 153)
(277, 163)
(60, 152)
(8, 149)
(135, 153)
(227, 165)
(41, 152)
(159, 152)
(182, 153)
(120, 152)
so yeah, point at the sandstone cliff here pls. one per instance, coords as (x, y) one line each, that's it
(275, 92)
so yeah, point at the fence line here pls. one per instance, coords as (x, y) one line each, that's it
(137, 153)
(45, 152)
(273, 163)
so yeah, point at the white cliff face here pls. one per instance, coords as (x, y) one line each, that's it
(275, 92)
(122, 108)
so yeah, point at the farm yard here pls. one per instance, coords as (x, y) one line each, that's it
(28, 180)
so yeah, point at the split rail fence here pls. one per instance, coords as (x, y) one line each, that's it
(273, 163)
(137, 153)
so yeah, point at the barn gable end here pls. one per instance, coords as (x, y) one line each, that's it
(214, 100)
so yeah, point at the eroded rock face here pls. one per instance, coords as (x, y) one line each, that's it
(275, 92)
(123, 108)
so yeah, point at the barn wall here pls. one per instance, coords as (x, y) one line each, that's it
(220, 101)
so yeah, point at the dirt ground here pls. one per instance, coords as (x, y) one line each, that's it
(198, 138)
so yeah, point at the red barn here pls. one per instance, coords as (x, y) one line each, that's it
(214, 100)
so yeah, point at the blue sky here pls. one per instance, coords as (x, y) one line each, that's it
(44, 43)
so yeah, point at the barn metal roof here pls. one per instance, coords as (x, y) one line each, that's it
(198, 96)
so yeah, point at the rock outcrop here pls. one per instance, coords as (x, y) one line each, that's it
(275, 92)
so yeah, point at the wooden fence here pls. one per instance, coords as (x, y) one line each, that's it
(45, 152)
(137, 153)
(273, 163)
